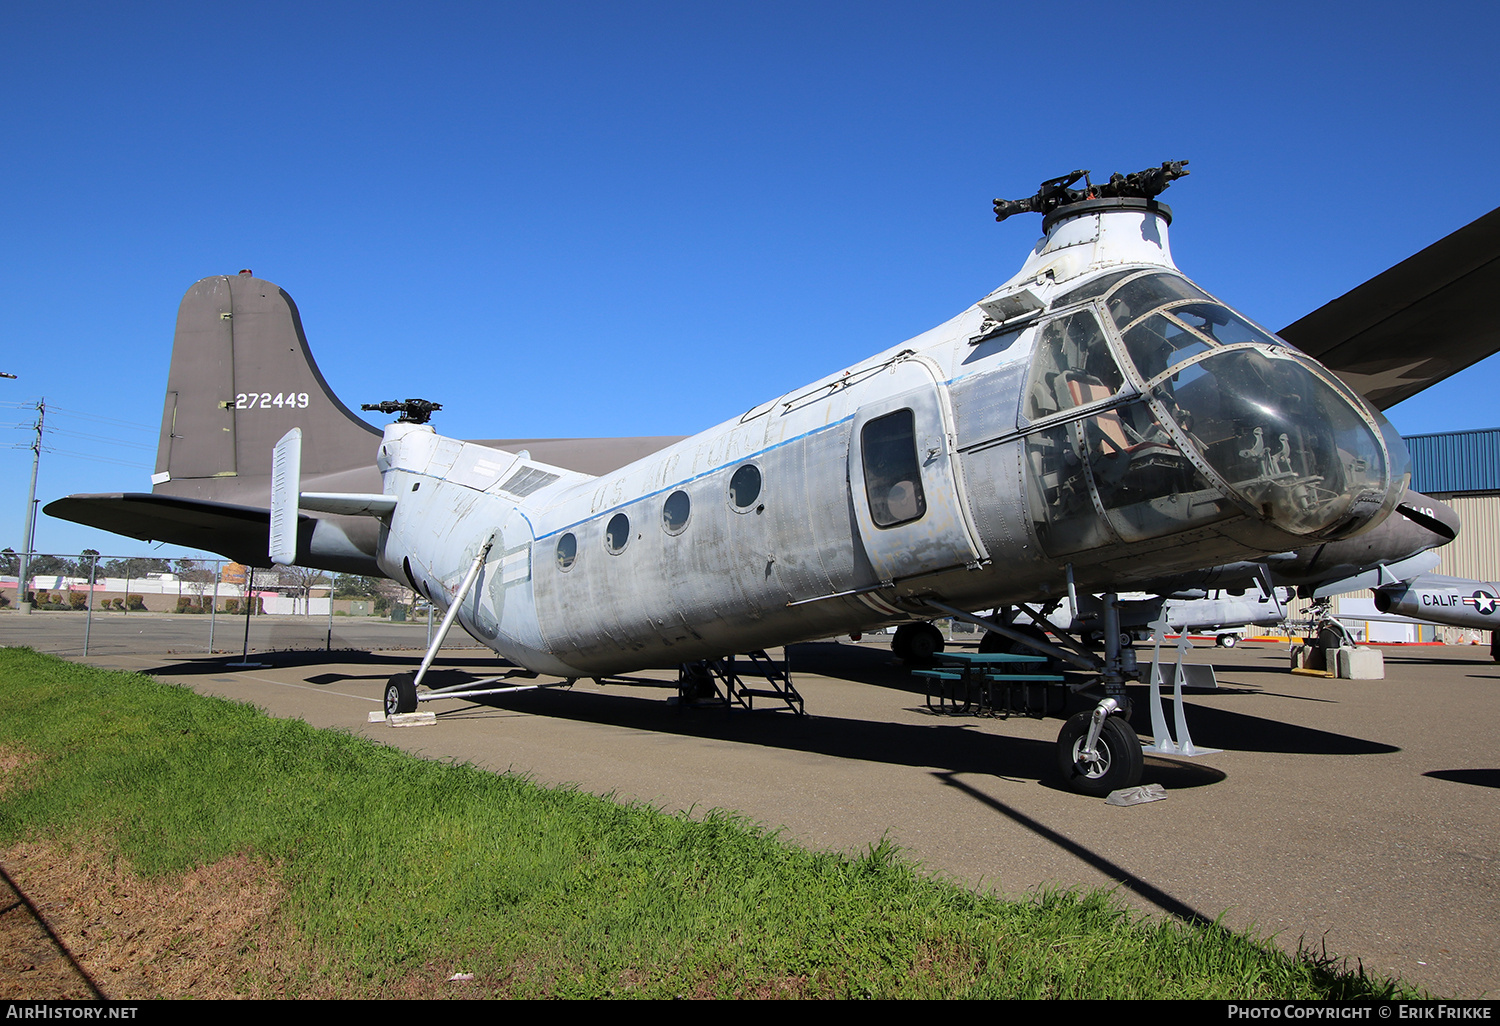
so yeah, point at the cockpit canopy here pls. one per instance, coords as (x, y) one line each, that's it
(1163, 409)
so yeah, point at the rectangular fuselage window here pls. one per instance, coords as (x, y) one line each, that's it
(893, 477)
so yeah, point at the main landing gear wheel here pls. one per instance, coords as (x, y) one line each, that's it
(401, 694)
(1094, 640)
(992, 643)
(1118, 763)
(1228, 640)
(917, 642)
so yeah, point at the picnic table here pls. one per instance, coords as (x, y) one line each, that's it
(990, 683)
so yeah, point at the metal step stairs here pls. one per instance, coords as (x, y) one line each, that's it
(726, 678)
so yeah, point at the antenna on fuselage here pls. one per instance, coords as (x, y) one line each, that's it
(413, 411)
(1058, 192)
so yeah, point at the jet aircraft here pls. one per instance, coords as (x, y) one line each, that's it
(1455, 601)
(1097, 423)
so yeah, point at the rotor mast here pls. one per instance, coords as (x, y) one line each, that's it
(413, 411)
(1138, 189)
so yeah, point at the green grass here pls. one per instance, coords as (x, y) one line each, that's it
(397, 870)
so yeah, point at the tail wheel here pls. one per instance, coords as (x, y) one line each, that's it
(401, 694)
(1118, 763)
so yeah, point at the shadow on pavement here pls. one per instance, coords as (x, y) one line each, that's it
(950, 743)
(1477, 777)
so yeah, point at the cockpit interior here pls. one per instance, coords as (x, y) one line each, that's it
(1152, 408)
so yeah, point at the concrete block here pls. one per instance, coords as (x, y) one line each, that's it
(1360, 664)
(1309, 657)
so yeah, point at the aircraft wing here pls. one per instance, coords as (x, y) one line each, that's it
(1428, 317)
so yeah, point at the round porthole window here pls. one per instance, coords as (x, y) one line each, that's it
(567, 551)
(744, 487)
(675, 512)
(617, 534)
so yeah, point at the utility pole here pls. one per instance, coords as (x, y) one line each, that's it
(36, 458)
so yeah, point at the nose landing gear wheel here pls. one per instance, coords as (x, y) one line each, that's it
(1118, 763)
(401, 694)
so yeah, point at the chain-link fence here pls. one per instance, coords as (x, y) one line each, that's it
(96, 605)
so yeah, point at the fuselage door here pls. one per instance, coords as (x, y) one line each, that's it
(906, 493)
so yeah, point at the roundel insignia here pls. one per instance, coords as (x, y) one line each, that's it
(1483, 604)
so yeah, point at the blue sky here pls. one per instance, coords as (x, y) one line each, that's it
(642, 218)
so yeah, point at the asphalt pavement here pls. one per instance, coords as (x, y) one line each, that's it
(1360, 815)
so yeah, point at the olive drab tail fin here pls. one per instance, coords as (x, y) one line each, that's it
(241, 377)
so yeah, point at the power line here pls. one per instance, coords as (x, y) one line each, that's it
(102, 438)
(133, 424)
(89, 456)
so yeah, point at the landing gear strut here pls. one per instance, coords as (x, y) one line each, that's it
(401, 690)
(1097, 750)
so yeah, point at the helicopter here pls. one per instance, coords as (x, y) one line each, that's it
(1096, 424)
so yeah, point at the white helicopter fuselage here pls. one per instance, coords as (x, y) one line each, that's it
(1031, 438)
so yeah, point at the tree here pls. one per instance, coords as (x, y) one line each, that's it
(133, 567)
(196, 575)
(46, 565)
(87, 560)
(300, 580)
(10, 563)
(352, 586)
